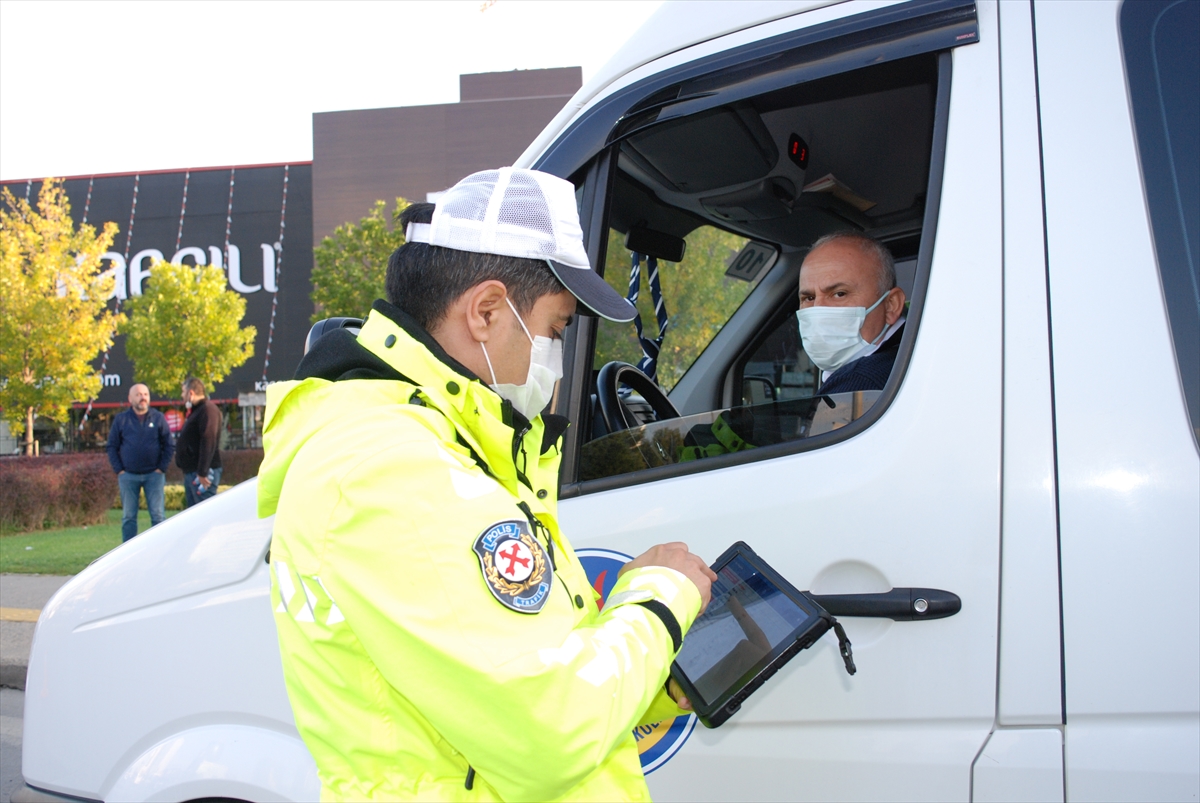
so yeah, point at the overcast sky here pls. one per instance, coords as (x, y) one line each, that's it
(103, 87)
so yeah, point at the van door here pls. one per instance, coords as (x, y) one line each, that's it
(904, 491)
(1120, 139)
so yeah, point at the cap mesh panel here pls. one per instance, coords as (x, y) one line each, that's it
(524, 225)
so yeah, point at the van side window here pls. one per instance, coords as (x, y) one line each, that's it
(697, 295)
(1158, 39)
(727, 200)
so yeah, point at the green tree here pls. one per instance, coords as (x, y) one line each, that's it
(351, 265)
(699, 298)
(54, 316)
(186, 323)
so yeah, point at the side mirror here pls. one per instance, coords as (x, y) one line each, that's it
(757, 390)
(326, 326)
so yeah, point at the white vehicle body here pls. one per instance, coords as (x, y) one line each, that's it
(1006, 467)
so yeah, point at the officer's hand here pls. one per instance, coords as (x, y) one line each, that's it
(675, 555)
(676, 693)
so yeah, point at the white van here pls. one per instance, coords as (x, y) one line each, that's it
(1033, 168)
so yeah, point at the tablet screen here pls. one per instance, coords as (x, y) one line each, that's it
(747, 620)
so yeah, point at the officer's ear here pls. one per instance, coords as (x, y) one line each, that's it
(484, 302)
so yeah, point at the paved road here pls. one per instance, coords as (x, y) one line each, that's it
(12, 706)
(18, 592)
(21, 594)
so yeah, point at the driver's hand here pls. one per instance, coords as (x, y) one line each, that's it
(675, 555)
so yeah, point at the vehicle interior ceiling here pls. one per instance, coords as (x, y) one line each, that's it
(737, 167)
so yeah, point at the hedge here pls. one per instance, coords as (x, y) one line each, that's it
(172, 498)
(237, 466)
(55, 491)
(71, 490)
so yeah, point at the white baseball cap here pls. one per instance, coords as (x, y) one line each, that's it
(526, 214)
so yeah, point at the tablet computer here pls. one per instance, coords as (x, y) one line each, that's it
(756, 622)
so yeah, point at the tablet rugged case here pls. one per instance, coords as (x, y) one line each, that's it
(714, 714)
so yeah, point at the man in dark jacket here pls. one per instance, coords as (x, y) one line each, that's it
(140, 448)
(198, 454)
(851, 312)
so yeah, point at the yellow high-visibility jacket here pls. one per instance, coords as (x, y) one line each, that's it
(439, 637)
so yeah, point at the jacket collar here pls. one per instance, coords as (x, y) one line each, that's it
(414, 330)
(395, 338)
(392, 345)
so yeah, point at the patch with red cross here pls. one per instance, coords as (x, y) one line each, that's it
(515, 566)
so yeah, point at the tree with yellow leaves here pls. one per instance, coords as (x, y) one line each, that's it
(186, 323)
(54, 315)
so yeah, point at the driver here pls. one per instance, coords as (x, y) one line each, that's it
(439, 637)
(851, 311)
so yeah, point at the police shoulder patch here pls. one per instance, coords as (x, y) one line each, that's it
(515, 566)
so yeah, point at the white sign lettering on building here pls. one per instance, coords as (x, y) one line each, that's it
(129, 276)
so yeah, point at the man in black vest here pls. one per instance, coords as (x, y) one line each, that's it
(197, 452)
(851, 312)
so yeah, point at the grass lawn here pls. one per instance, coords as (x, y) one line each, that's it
(65, 551)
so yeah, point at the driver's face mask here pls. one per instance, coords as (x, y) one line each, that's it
(832, 336)
(545, 368)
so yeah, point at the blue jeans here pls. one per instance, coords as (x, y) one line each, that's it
(131, 486)
(193, 495)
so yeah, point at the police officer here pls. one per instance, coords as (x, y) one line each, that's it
(440, 639)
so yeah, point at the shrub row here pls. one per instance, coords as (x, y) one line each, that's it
(172, 498)
(55, 491)
(236, 466)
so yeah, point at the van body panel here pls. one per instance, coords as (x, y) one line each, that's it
(1128, 467)
(894, 761)
(1135, 757)
(913, 500)
(675, 34)
(168, 633)
(1030, 691)
(676, 27)
(221, 759)
(632, 67)
(1023, 764)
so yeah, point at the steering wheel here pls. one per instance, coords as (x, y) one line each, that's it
(616, 416)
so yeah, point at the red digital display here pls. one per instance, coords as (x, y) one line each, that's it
(798, 151)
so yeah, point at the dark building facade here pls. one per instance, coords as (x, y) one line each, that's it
(411, 151)
(253, 222)
(260, 223)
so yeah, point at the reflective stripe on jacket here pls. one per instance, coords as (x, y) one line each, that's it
(405, 672)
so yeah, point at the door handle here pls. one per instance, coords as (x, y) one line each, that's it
(900, 604)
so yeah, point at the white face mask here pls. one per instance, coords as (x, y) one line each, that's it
(545, 368)
(832, 336)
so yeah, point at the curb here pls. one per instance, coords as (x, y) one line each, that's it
(12, 676)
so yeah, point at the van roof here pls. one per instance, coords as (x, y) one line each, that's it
(673, 27)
